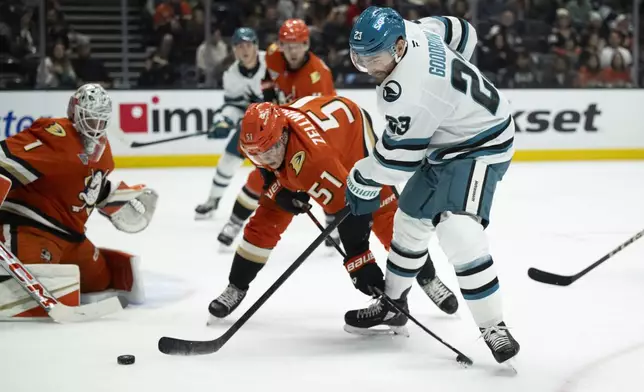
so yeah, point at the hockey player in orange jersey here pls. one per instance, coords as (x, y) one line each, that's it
(293, 72)
(59, 169)
(305, 150)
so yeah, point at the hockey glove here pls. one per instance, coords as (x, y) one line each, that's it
(130, 209)
(362, 195)
(365, 273)
(221, 128)
(293, 202)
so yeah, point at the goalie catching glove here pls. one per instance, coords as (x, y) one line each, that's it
(130, 209)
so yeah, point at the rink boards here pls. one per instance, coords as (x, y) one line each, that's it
(552, 124)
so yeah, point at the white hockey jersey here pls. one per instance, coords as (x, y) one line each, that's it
(458, 33)
(438, 107)
(241, 88)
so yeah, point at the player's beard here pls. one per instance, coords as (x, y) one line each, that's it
(380, 76)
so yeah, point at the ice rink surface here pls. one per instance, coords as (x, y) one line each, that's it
(588, 337)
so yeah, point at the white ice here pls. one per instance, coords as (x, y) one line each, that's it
(587, 337)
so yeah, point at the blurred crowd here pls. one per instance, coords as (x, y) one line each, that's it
(67, 62)
(522, 43)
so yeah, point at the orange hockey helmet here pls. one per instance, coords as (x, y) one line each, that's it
(262, 131)
(294, 30)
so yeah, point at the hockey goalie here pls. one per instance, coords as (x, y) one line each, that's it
(59, 168)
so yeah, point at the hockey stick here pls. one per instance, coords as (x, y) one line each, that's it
(144, 144)
(461, 358)
(566, 280)
(59, 312)
(173, 346)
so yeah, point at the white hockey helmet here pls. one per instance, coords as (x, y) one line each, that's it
(90, 109)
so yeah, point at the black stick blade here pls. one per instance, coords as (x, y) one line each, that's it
(172, 346)
(550, 278)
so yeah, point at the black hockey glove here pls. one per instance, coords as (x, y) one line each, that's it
(268, 176)
(365, 273)
(293, 202)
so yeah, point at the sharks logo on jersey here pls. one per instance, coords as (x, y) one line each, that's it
(391, 91)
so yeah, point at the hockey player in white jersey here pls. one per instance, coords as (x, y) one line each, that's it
(242, 86)
(450, 134)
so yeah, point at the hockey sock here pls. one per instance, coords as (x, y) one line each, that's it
(245, 204)
(226, 168)
(480, 288)
(243, 271)
(402, 268)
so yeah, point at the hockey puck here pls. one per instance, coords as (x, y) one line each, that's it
(125, 359)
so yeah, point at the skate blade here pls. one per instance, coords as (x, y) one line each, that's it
(226, 249)
(508, 368)
(389, 330)
(206, 216)
(212, 320)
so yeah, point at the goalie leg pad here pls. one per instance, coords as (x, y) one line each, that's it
(62, 281)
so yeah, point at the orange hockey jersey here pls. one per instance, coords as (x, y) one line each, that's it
(328, 135)
(55, 185)
(313, 78)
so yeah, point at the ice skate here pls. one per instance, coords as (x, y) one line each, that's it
(378, 319)
(502, 344)
(440, 294)
(226, 303)
(228, 233)
(207, 209)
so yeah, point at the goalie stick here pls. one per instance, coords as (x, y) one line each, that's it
(174, 346)
(58, 312)
(461, 358)
(566, 280)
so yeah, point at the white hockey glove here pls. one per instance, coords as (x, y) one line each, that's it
(130, 209)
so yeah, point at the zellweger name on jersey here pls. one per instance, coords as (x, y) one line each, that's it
(242, 87)
(438, 107)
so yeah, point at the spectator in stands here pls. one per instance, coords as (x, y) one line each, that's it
(160, 71)
(461, 9)
(170, 17)
(24, 43)
(591, 47)
(57, 30)
(614, 46)
(508, 26)
(285, 10)
(561, 76)
(56, 71)
(570, 50)
(590, 73)
(496, 54)
(87, 68)
(563, 30)
(579, 11)
(521, 75)
(193, 35)
(210, 56)
(617, 75)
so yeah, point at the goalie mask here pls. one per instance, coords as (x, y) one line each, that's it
(90, 109)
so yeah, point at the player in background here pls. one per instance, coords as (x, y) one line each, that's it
(242, 86)
(59, 169)
(449, 133)
(293, 72)
(306, 150)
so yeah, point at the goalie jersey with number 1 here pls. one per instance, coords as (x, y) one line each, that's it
(59, 169)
